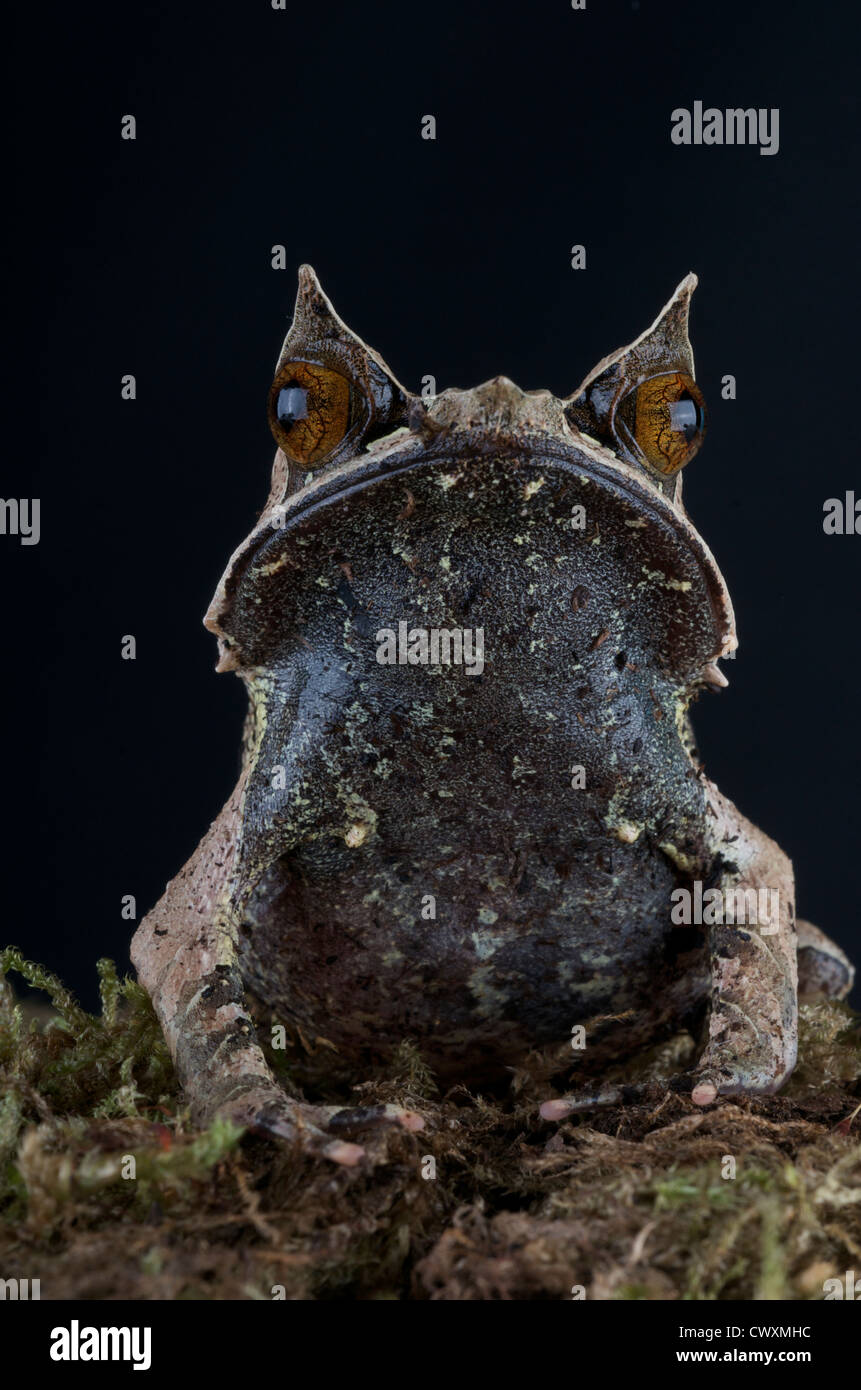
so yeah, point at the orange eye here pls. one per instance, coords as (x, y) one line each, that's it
(667, 418)
(309, 411)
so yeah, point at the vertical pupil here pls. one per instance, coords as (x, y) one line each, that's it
(292, 404)
(685, 417)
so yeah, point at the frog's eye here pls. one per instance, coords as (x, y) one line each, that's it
(310, 411)
(665, 417)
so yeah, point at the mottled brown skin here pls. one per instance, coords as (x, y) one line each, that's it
(366, 787)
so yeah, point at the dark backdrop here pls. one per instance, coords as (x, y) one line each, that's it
(452, 257)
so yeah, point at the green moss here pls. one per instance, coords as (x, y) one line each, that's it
(107, 1192)
(79, 1063)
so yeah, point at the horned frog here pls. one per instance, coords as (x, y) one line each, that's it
(481, 851)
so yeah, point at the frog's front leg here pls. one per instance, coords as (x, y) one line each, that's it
(753, 1009)
(753, 1014)
(185, 957)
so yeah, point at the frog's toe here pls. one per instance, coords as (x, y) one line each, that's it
(592, 1100)
(705, 1090)
(348, 1155)
(354, 1121)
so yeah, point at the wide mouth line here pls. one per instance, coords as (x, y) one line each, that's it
(532, 450)
(629, 487)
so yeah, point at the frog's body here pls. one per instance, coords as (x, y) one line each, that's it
(477, 854)
(458, 784)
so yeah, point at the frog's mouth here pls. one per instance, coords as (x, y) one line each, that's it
(406, 452)
(499, 483)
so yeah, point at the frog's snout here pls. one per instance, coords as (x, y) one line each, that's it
(498, 406)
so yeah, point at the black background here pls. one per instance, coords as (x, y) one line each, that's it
(302, 127)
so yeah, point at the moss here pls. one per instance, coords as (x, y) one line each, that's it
(635, 1203)
(78, 1062)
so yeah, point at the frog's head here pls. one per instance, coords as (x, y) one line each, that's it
(352, 438)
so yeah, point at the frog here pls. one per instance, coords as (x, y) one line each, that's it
(471, 625)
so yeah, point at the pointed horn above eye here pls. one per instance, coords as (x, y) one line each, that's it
(318, 328)
(643, 401)
(668, 335)
(664, 346)
(314, 316)
(312, 302)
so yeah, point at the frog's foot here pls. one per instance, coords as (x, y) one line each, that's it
(266, 1110)
(743, 1060)
(224, 1073)
(742, 1057)
(321, 1131)
(718, 1074)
